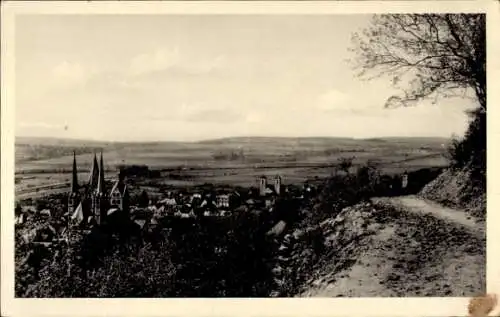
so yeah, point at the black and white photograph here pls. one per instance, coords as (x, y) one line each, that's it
(249, 155)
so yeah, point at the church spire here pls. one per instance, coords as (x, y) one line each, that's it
(74, 179)
(100, 181)
(94, 174)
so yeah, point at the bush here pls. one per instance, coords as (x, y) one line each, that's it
(345, 163)
(469, 155)
(470, 151)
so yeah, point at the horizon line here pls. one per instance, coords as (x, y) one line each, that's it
(234, 137)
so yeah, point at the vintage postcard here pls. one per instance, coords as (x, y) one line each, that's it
(249, 158)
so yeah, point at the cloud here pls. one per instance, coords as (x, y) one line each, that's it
(171, 61)
(337, 102)
(215, 116)
(68, 72)
(42, 125)
(333, 100)
(158, 60)
(253, 117)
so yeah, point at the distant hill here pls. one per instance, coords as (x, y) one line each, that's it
(261, 139)
(52, 141)
(326, 140)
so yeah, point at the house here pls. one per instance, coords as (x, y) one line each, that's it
(78, 218)
(222, 201)
(196, 200)
(188, 215)
(195, 196)
(169, 202)
(119, 195)
(241, 209)
(112, 211)
(140, 222)
(278, 229)
(210, 213)
(161, 211)
(19, 219)
(207, 203)
(46, 213)
(154, 222)
(269, 202)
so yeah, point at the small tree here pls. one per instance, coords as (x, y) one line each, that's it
(345, 163)
(18, 210)
(143, 200)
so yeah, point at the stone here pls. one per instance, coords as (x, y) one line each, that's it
(394, 277)
(397, 266)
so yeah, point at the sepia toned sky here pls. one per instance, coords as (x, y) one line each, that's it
(168, 77)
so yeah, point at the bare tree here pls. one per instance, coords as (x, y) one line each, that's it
(432, 55)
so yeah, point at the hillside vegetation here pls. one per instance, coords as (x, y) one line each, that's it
(463, 184)
(454, 188)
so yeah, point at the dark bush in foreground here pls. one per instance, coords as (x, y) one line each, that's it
(211, 257)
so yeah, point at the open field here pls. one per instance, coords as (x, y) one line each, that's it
(44, 165)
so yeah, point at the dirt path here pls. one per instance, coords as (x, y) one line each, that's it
(418, 249)
(417, 205)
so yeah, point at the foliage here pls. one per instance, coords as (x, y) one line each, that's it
(206, 257)
(229, 155)
(143, 199)
(470, 151)
(124, 273)
(345, 163)
(432, 54)
(32, 152)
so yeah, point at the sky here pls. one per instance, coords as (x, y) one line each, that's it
(193, 77)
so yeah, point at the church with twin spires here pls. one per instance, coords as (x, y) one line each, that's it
(91, 204)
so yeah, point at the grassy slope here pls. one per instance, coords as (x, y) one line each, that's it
(452, 188)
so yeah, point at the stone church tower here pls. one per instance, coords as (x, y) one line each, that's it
(262, 185)
(99, 196)
(277, 184)
(74, 195)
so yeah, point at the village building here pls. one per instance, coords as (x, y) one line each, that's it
(119, 195)
(266, 189)
(168, 202)
(222, 201)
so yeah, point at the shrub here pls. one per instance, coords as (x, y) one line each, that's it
(470, 151)
(345, 163)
